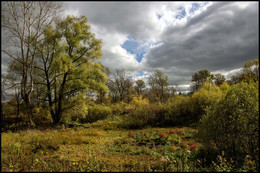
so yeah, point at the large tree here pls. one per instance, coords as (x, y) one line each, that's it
(67, 62)
(23, 23)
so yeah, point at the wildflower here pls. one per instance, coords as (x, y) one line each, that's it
(171, 131)
(146, 134)
(131, 134)
(177, 130)
(163, 135)
(191, 147)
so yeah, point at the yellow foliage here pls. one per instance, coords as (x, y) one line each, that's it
(140, 101)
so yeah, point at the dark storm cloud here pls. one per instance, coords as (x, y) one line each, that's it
(224, 36)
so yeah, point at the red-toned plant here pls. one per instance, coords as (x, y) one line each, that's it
(163, 135)
(192, 147)
(131, 134)
(172, 131)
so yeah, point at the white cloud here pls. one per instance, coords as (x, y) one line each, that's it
(212, 35)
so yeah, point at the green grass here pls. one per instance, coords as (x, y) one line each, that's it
(102, 147)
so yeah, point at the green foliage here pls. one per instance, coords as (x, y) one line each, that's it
(200, 77)
(232, 123)
(97, 112)
(41, 115)
(77, 107)
(139, 101)
(219, 79)
(180, 110)
(250, 71)
(224, 87)
(207, 95)
(68, 67)
(121, 108)
(147, 115)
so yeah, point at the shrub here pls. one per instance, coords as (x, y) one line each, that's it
(140, 101)
(179, 108)
(224, 88)
(232, 123)
(121, 108)
(207, 95)
(41, 115)
(97, 112)
(148, 115)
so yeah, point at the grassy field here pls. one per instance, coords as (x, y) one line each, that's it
(100, 146)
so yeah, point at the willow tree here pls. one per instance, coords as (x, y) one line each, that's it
(66, 60)
(23, 23)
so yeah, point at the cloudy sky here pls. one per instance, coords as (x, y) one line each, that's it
(178, 38)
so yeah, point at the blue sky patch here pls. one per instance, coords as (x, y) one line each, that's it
(159, 16)
(136, 47)
(140, 74)
(181, 14)
(196, 6)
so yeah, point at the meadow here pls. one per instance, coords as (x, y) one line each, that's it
(101, 146)
(215, 129)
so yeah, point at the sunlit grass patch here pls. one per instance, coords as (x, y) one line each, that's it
(91, 149)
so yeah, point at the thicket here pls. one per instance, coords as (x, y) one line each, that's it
(178, 110)
(231, 125)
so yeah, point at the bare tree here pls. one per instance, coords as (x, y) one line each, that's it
(120, 85)
(140, 85)
(123, 83)
(159, 84)
(24, 23)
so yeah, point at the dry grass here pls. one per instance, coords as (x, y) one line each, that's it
(79, 149)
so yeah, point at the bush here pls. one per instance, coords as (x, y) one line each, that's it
(41, 115)
(97, 112)
(139, 101)
(232, 123)
(121, 108)
(207, 95)
(146, 115)
(179, 108)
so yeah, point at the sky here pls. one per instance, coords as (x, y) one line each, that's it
(177, 38)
